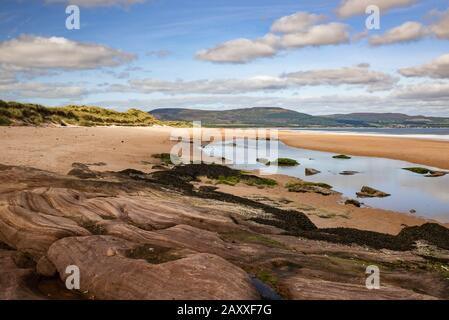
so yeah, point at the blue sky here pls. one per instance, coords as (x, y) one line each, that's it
(173, 53)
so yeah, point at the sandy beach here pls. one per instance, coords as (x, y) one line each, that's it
(117, 148)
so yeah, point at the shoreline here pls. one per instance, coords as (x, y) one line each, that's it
(434, 153)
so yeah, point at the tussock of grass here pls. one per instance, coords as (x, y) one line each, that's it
(419, 170)
(249, 180)
(153, 254)
(293, 184)
(165, 158)
(284, 162)
(229, 180)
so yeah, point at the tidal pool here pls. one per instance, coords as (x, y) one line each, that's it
(429, 197)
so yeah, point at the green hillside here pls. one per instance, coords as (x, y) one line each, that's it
(251, 117)
(14, 113)
(389, 119)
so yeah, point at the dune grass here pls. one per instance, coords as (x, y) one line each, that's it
(15, 113)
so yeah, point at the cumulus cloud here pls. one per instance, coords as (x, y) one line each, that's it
(359, 75)
(298, 21)
(221, 86)
(319, 35)
(424, 91)
(349, 8)
(97, 3)
(441, 27)
(240, 50)
(406, 32)
(294, 31)
(42, 90)
(437, 68)
(30, 52)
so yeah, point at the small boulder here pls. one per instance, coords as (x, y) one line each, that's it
(435, 174)
(263, 160)
(348, 173)
(353, 202)
(342, 156)
(368, 192)
(311, 171)
(45, 267)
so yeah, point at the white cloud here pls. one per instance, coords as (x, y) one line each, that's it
(424, 91)
(357, 75)
(360, 76)
(406, 32)
(97, 3)
(437, 68)
(319, 35)
(298, 21)
(222, 86)
(296, 31)
(239, 51)
(441, 27)
(349, 8)
(42, 90)
(30, 52)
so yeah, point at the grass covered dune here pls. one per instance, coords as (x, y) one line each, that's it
(15, 113)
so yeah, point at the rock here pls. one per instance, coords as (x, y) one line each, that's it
(320, 289)
(198, 276)
(353, 202)
(348, 173)
(419, 170)
(45, 267)
(310, 188)
(14, 280)
(110, 252)
(342, 156)
(263, 160)
(314, 187)
(435, 174)
(413, 211)
(33, 232)
(159, 167)
(368, 192)
(311, 171)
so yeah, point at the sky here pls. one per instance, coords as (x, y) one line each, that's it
(315, 56)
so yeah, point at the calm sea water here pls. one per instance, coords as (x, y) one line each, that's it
(423, 133)
(409, 191)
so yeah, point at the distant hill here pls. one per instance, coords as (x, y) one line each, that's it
(251, 117)
(279, 117)
(15, 113)
(389, 119)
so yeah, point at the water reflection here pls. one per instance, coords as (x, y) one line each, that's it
(429, 197)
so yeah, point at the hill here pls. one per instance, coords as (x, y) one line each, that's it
(389, 119)
(251, 117)
(279, 117)
(14, 113)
